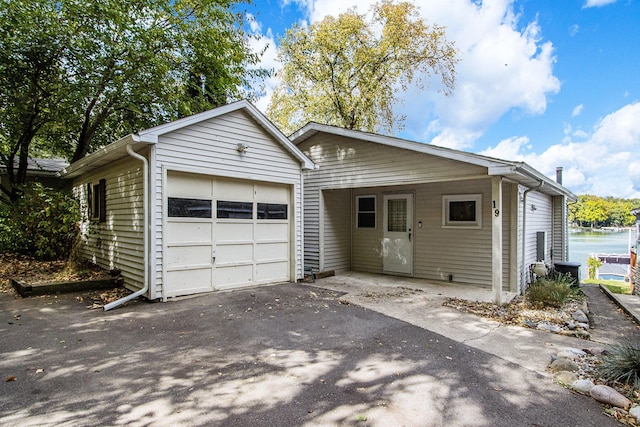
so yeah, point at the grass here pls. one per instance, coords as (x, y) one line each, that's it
(622, 365)
(615, 286)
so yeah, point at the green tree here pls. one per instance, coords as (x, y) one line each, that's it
(76, 75)
(347, 71)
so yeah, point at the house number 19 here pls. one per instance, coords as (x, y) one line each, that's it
(496, 211)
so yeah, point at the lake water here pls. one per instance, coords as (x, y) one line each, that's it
(584, 243)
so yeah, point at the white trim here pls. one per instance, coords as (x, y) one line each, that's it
(153, 249)
(226, 174)
(448, 198)
(164, 215)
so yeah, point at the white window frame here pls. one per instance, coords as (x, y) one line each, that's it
(375, 211)
(446, 206)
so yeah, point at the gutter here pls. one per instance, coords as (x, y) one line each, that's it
(145, 202)
(524, 231)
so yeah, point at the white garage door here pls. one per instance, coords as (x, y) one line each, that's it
(223, 234)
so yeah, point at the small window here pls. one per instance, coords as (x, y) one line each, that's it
(189, 208)
(462, 210)
(234, 210)
(97, 200)
(366, 211)
(272, 211)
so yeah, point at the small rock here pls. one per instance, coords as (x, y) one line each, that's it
(563, 365)
(549, 327)
(565, 378)
(582, 386)
(605, 394)
(571, 326)
(581, 333)
(597, 351)
(635, 412)
(571, 353)
(530, 324)
(582, 325)
(579, 316)
(567, 333)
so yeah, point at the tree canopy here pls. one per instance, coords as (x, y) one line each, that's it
(76, 75)
(593, 211)
(347, 71)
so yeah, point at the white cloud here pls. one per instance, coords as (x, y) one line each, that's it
(604, 162)
(577, 110)
(597, 3)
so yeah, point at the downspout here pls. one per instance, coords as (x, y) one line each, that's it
(524, 233)
(145, 204)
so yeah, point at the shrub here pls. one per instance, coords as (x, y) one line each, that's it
(593, 263)
(622, 365)
(551, 291)
(42, 223)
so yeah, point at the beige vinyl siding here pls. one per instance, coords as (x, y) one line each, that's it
(210, 147)
(348, 163)
(337, 226)
(560, 236)
(118, 242)
(537, 220)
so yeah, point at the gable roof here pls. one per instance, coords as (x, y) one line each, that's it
(40, 167)
(519, 172)
(138, 140)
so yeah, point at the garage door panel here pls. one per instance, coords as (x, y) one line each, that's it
(274, 271)
(188, 255)
(272, 231)
(184, 282)
(189, 185)
(233, 232)
(234, 190)
(181, 232)
(226, 277)
(272, 193)
(234, 253)
(268, 251)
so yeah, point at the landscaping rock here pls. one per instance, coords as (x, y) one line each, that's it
(571, 326)
(597, 351)
(581, 333)
(582, 325)
(565, 378)
(563, 365)
(579, 316)
(582, 386)
(605, 394)
(571, 353)
(549, 327)
(530, 324)
(635, 412)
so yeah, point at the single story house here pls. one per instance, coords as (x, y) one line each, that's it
(44, 171)
(208, 202)
(385, 205)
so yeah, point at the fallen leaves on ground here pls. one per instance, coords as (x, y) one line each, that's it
(518, 311)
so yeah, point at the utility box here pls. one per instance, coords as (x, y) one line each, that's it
(541, 245)
(571, 268)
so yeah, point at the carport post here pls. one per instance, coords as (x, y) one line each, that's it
(496, 238)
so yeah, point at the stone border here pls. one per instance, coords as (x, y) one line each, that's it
(26, 290)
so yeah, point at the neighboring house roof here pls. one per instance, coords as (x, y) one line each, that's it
(41, 167)
(519, 172)
(117, 149)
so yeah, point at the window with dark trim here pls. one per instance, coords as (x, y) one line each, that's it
(97, 200)
(179, 207)
(366, 211)
(234, 210)
(272, 211)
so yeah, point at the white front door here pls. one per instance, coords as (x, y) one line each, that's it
(397, 242)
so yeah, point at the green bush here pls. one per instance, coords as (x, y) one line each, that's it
(551, 291)
(43, 223)
(622, 365)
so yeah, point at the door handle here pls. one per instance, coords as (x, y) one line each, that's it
(409, 235)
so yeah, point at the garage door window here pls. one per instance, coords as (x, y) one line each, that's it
(272, 211)
(234, 210)
(189, 208)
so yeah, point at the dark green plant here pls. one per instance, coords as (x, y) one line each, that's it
(42, 223)
(551, 291)
(621, 365)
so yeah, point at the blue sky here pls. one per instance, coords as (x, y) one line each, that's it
(552, 83)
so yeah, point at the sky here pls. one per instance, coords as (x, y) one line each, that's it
(551, 83)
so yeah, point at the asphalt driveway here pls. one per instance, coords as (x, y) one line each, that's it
(282, 355)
